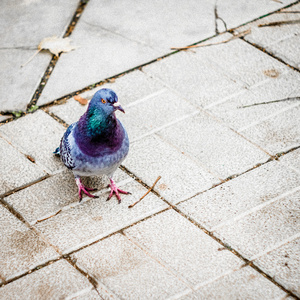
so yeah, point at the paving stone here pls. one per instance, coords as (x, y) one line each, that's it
(292, 159)
(225, 69)
(158, 111)
(245, 283)
(195, 77)
(21, 249)
(240, 195)
(127, 270)
(243, 110)
(143, 32)
(215, 146)
(279, 133)
(236, 13)
(183, 247)
(151, 157)
(282, 41)
(46, 198)
(131, 87)
(282, 264)
(36, 135)
(24, 24)
(55, 281)
(262, 229)
(16, 170)
(96, 218)
(77, 69)
(240, 61)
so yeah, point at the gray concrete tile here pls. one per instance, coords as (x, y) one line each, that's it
(292, 159)
(154, 113)
(16, 170)
(53, 194)
(240, 61)
(24, 24)
(55, 281)
(36, 135)
(215, 146)
(180, 176)
(113, 53)
(128, 271)
(21, 249)
(236, 13)
(245, 283)
(264, 228)
(282, 264)
(131, 87)
(282, 41)
(183, 247)
(240, 195)
(195, 77)
(243, 109)
(91, 220)
(143, 32)
(279, 133)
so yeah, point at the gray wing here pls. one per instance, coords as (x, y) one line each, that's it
(65, 148)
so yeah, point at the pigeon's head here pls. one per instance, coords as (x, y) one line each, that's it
(107, 101)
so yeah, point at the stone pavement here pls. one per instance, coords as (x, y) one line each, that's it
(219, 123)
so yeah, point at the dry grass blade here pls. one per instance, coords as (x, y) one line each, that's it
(152, 187)
(49, 216)
(236, 36)
(279, 23)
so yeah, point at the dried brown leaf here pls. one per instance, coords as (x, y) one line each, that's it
(56, 45)
(82, 101)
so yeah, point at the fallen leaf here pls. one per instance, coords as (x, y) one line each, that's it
(56, 45)
(271, 73)
(82, 101)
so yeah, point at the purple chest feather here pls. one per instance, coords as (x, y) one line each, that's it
(99, 139)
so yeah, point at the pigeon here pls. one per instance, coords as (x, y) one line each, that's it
(97, 143)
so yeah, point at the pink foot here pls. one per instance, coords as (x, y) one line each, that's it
(83, 189)
(116, 190)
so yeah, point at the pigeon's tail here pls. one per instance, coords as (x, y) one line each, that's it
(57, 151)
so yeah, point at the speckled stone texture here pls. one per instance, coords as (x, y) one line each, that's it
(21, 248)
(57, 280)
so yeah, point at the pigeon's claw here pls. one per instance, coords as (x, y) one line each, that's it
(83, 189)
(116, 190)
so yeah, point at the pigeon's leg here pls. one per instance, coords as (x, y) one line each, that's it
(116, 190)
(83, 189)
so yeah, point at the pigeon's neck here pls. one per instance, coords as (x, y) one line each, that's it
(95, 123)
(97, 133)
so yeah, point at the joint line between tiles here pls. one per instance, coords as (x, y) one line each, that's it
(278, 245)
(268, 117)
(160, 262)
(256, 208)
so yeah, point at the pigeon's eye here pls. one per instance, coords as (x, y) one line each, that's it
(103, 101)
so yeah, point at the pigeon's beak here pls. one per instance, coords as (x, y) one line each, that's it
(117, 106)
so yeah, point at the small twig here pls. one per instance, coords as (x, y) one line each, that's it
(239, 35)
(132, 205)
(31, 58)
(274, 101)
(279, 23)
(49, 216)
